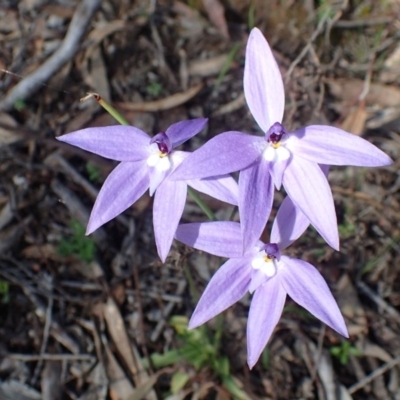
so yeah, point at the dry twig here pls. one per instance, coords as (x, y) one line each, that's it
(378, 372)
(28, 86)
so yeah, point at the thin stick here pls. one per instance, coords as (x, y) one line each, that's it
(51, 357)
(379, 301)
(70, 45)
(46, 334)
(378, 372)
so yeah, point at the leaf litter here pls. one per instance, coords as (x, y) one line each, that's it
(47, 349)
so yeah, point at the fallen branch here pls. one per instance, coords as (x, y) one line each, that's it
(70, 45)
(167, 103)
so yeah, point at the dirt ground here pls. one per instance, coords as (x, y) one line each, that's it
(100, 317)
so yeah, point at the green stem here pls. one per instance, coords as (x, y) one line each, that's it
(117, 115)
(192, 285)
(204, 207)
(108, 107)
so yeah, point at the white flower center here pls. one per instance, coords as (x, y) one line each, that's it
(158, 160)
(264, 264)
(159, 163)
(276, 152)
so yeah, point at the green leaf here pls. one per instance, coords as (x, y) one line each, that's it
(154, 88)
(4, 292)
(78, 243)
(221, 366)
(266, 358)
(233, 388)
(178, 381)
(19, 105)
(94, 172)
(164, 360)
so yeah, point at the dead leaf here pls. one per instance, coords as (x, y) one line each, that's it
(126, 349)
(351, 306)
(97, 389)
(349, 90)
(391, 67)
(95, 73)
(7, 134)
(119, 384)
(6, 215)
(232, 106)
(208, 67)
(167, 103)
(326, 374)
(12, 390)
(190, 21)
(355, 120)
(116, 328)
(216, 13)
(390, 117)
(102, 30)
(203, 390)
(51, 381)
(373, 350)
(143, 390)
(42, 252)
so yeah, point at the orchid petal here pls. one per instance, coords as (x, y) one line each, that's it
(169, 202)
(258, 277)
(121, 143)
(263, 85)
(176, 157)
(269, 154)
(256, 193)
(223, 188)
(265, 311)
(184, 130)
(223, 154)
(333, 146)
(307, 186)
(158, 172)
(277, 170)
(306, 286)
(126, 183)
(221, 238)
(228, 285)
(289, 224)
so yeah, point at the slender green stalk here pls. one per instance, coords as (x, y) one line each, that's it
(108, 107)
(192, 284)
(117, 115)
(251, 16)
(227, 64)
(204, 207)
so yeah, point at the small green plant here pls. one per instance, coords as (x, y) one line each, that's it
(298, 311)
(20, 105)
(4, 292)
(347, 229)
(266, 358)
(94, 172)
(227, 64)
(78, 243)
(325, 10)
(154, 88)
(344, 351)
(251, 16)
(200, 349)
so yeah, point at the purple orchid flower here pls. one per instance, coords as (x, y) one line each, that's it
(146, 163)
(280, 157)
(261, 270)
